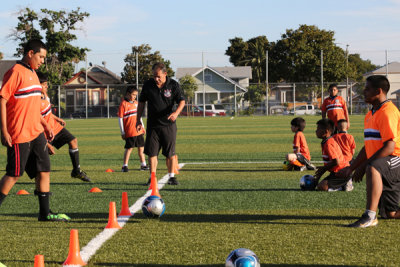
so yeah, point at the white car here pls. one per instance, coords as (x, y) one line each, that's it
(303, 110)
(216, 108)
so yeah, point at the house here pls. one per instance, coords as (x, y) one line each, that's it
(393, 74)
(5, 65)
(101, 84)
(220, 83)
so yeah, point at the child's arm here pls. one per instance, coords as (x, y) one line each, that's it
(47, 129)
(5, 136)
(322, 169)
(296, 149)
(51, 149)
(121, 127)
(59, 120)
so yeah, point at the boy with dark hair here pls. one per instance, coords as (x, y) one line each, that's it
(300, 158)
(22, 129)
(61, 135)
(334, 106)
(345, 140)
(379, 159)
(127, 114)
(332, 157)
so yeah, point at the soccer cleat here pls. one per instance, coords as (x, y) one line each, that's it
(125, 169)
(80, 175)
(349, 186)
(52, 217)
(364, 222)
(173, 181)
(144, 168)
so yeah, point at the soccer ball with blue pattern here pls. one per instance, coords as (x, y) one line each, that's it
(308, 183)
(153, 207)
(242, 257)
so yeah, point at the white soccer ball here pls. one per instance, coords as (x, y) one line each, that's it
(307, 183)
(153, 206)
(242, 257)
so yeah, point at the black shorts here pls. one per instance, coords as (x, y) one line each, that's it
(335, 182)
(32, 157)
(389, 168)
(134, 141)
(62, 138)
(157, 138)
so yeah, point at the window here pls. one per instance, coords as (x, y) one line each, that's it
(208, 107)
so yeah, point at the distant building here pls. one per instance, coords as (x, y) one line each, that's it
(393, 75)
(5, 65)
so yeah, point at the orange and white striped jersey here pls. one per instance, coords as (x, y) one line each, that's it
(380, 126)
(299, 141)
(335, 108)
(22, 90)
(330, 151)
(45, 111)
(128, 113)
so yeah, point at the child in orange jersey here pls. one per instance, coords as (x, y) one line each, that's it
(61, 135)
(334, 106)
(127, 122)
(300, 158)
(332, 157)
(379, 159)
(345, 140)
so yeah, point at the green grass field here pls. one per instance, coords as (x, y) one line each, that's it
(233, 194)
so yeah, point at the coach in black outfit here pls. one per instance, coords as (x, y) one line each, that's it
(160, 93)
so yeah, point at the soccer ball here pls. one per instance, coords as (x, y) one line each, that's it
(308, 183)
(242, 257)
(153, 207)
(286, 166)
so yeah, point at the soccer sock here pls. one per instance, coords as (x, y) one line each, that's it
(74, 155)
(125, 165)
(371, 213)
(2, 197)
(44, 203)
(143, 163)
(171, 175)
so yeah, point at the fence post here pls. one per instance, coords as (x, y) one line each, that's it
(108, 101)
(294, 99)
(59, 101)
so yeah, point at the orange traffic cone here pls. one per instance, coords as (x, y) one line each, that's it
(125, 206)
(112, 217)
(95, 190)
(74, 254)
(39, 261)
(109, 170)
(22, 192)
(152, 178)
(154, 186)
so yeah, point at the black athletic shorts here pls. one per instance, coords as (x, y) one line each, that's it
(62, 138)
(134, 141)
(389, 168)
(31, 157)
(157, 138)
(335, 182)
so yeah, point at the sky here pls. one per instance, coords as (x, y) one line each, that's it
(189, 33)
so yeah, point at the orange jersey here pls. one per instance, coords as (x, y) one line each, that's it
(335, 108)
(128, 112)
(381, 126)
(45, 110)
(347, 144)
(22, 90)
(299, 141)
(330, 151)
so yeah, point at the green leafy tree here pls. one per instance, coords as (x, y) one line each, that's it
(255, 93)
(56, 29)
(189, 87)
(359, 66)
(1, 55)
(146, 59)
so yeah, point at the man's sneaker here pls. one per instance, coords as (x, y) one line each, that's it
(125, 169)
(364, 222)
(52, 217)
(173, 181)
(349, 186)
(144, 168)
(80, 175)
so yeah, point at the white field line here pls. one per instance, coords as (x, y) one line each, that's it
(90, 249)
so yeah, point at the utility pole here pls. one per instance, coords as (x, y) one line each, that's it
(349, 95)
(266, 82)
(322, 76)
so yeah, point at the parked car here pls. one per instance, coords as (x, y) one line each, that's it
(216, 108)
(192, 110)
(277, 110)
(303, 110)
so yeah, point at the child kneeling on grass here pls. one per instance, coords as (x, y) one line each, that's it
(333, 160)
(300, 158)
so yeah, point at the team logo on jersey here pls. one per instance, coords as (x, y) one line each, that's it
(167, 92)
(337, 101)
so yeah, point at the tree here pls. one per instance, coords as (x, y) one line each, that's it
(255, 93)
(358, 66)
(1, 55)
(250, 53)
(146, 60)
(56, 28)
(189, 87)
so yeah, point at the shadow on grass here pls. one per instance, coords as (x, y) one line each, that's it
(204, 265)
(248, 218)
(231, 170)
(78, 182)
(230, 190)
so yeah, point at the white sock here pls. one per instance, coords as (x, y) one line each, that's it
(125, 165)
(143, 164)
(371, 213)
(171, 175)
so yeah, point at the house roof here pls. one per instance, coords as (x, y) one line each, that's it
(5, 65)
(98, 74)
(393, 68)
(230, 72)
